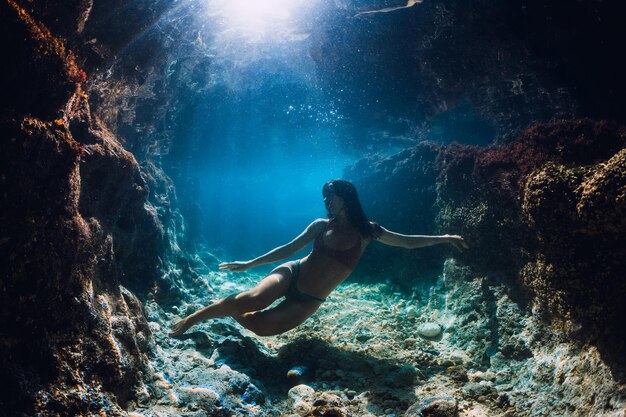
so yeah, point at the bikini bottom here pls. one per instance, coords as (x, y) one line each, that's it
(293, 292)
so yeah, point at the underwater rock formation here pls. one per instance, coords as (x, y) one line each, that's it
(549, 205)
(544, 215)
(74, 339)
(512, 64)
(576, 272)
(77, 231)
(434, 407)
(537, 222)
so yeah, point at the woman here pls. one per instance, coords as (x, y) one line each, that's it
(305, 283)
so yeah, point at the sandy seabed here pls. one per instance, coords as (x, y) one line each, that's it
(362, 354)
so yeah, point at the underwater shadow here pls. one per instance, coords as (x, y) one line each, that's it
(315, 362)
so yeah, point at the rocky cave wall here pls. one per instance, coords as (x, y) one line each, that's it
(79, 235)
(431, 66)
(543, 215)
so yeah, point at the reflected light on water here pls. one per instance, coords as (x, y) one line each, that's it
(256, 17)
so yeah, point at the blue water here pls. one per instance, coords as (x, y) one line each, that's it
(262, 157)
(266, 200)
(266, 136)
(275, 112)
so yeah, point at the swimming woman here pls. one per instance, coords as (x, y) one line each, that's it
(339, 242)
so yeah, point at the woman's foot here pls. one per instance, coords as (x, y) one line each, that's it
(181, 327)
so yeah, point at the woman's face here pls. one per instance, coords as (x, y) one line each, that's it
(334, 204)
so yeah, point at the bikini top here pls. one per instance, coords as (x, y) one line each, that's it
(349, 257)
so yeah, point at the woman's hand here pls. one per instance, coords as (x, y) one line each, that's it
(457, 241)
(236, 266)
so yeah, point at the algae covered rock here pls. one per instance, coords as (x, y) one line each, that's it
(327, 404)
(434, 407)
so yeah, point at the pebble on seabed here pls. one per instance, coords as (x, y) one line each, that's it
(297, 374)
(301, 393)
(412, 312)
(429, 329)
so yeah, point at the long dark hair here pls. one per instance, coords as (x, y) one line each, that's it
(354, 211)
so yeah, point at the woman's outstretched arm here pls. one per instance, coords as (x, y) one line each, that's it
(281, 252)
(419, 241)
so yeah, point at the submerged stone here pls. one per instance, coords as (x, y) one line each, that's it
(429, 329)
(479, 389)
(301, 393)
(433, 407)
(412, 312)
(297, 375)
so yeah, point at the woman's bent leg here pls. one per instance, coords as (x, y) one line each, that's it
(261, 296)
(285, 316)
